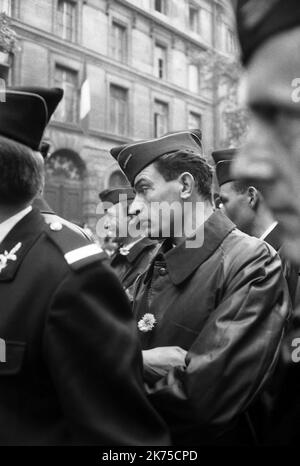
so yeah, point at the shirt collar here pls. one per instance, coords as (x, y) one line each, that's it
(182, 261)
(268, 231)
(135, 249)
(130, 246)
(10, 223)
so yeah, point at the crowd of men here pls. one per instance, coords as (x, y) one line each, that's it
(184, 329)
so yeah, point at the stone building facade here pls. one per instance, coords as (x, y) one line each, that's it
(141, 59)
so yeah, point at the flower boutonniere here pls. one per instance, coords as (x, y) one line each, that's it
(124, 251)
(147, 323)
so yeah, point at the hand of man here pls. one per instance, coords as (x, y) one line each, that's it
(158, 361)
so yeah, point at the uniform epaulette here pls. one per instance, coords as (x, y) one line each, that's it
(76, 248)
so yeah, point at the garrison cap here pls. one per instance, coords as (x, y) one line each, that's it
(223, 160)
(25, 113)
(113, 195)
(133, 158)
(258, 20)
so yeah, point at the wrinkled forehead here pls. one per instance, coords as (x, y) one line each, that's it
(148, 174)
(274, 72)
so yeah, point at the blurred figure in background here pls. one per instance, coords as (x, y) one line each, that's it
(132, 254)
(245, 206)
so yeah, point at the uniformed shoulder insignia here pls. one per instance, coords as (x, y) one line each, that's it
(84, 255)
(9, 256)
(78, 250)
(57, 223)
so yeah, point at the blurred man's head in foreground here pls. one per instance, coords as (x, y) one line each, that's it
(271, 157)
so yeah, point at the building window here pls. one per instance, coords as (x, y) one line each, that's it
(66, 20)
(229, 40)
(118, 110)
(160, 6)
(205, 27)
(194, 78)
(68, 109)
(160, 57)
(195, 121)
(194, 19)
(6, 7)
(119, 42)
(161, 118)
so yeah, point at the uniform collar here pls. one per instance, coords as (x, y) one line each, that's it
(274, 237)
(25, 232)
(139, 247)
(8, 225)
(182, 261)
(268, 231)
(135, 250)
(42, 205)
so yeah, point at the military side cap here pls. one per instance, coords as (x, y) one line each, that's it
(113, 195)
(133, 158)
(258, 20)
(223, 160)
(25, 113)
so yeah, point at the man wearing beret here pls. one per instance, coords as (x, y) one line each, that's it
(246, 208)
(213, 305)
(133, 254)
(269, 34)
(70, 365)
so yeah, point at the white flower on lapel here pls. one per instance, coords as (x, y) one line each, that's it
(146, 324)
(9, 256)
(124, 251)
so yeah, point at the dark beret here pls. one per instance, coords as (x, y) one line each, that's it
(25, 113)
(223, 161)
(258, 20)
(133, 158)
(113, 195)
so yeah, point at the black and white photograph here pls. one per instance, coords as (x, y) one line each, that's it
(149, 227)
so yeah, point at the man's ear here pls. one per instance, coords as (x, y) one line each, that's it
(187, 182)
(253, 197)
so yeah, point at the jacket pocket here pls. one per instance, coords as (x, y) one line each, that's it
(11, 357)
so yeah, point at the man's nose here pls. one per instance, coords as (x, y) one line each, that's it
(255, 159)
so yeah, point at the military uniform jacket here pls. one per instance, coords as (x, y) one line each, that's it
(227, 304)
(70, 369)
(129, 267)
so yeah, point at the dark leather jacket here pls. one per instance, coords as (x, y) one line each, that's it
(227, 304)
(129, 267)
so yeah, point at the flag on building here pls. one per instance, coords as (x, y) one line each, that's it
(85, 101)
